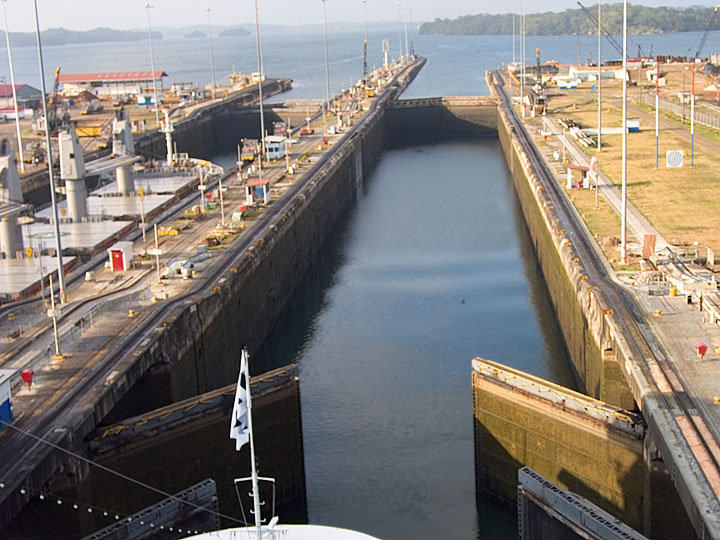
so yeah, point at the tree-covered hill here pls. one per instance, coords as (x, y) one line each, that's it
(641, 20)
(61, 36)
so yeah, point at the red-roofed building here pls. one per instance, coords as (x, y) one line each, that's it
(113, 83)
(28, 97)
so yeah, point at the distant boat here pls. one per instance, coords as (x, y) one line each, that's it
(241, 430)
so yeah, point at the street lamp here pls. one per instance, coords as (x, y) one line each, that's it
(399, 5)
(260, 94)
(623, 231)
(53, 202)
(407, 47)
(147, 7)
(599, 77)
(212, 60)
(327, 63)
(366, 22)
(14, 93)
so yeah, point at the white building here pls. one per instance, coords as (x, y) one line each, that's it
(109, 84)
(276, 146)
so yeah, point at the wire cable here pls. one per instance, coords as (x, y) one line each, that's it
(121, 475)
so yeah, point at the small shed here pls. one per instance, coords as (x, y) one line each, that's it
(6, 414)
(276, 146)
(257, 189)
(121, 255)
(583, 181)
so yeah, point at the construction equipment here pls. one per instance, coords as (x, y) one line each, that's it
(707, 30)
(365, 56)
(607, 34)
(57, 118)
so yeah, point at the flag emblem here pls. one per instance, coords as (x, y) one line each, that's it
(239, 423)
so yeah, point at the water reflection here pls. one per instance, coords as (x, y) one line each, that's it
(431, 268)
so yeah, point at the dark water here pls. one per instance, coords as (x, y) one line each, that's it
(431, 268)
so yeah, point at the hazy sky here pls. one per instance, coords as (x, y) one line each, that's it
(124, 14)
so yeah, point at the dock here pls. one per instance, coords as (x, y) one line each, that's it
(116, 327)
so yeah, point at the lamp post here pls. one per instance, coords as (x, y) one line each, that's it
(366, 22)
(599, 76)
(14, 93)
(53, 201)
(212, 59)
(623, 232)
(407, 46)
(522, 59)
(327, 62)
(399, 5)
(147, 7)
(260, 94)
(692, 116)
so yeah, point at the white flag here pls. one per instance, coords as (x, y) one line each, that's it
(239, 423)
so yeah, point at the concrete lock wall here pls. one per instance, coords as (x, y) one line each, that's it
(597, 456)
(576, 304)
(189, 354)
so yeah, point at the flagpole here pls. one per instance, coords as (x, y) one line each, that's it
(253, 467)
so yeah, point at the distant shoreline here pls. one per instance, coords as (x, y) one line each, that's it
(641, 20)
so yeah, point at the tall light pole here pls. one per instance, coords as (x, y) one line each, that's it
(366, 22)
(692, 116)
(327, 62)
(623, 232)
(147, 7)
(522, 58)
(14, 93)
(53, 201)
(212, 59)
(399, 5)
(407, 46)
(260, 85)
(599, 76)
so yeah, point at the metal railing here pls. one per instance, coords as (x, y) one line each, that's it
(683, 110)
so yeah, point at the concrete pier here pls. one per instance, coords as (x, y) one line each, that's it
(180, 348)
(125, 181)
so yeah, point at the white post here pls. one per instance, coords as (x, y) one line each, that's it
(260, 83)
(513, 38)
(407, 46)
(141, 193)
(42, 281)
(522, 59)
(623, 231)
(54, 318)
(51, 174)
(152, 63)
(399, 30)
(14, 93)
(212, 60)
(599, 87)
(157, 253)
(327, 62)
(222, 207)
(202, 188)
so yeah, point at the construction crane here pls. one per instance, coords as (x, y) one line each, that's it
(365, 58)
(707, 30)
(607, 34)
(52, 102)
